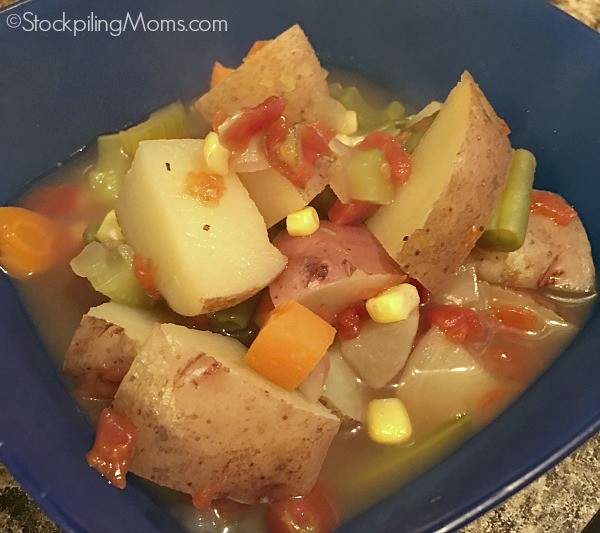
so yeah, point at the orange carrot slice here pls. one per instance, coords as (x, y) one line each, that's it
(28, 242)
(290, 344)
(219, 73)
(258, 45)
(515, 317)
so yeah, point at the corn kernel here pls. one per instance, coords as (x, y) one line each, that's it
(215, 155)
(388, 421)
(109, 230)
(347, 124)
(394, 304)
(303, 222)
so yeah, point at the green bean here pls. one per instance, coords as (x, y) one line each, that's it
(505, 232)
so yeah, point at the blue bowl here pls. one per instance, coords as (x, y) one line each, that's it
(58, 91)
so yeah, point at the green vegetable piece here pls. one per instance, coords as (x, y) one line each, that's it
(377, 471)
(368, 177)
(109, 230)
(234, 318)
(112, 164)
(169, 122)
(236, 321)
(505, 232)
(109, 268)
(390, 118)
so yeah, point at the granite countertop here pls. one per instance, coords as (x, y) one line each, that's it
(563, 500)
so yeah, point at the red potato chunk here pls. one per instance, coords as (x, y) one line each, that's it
(208, 424)
(333, 268)
(552, 255)
(104, 346)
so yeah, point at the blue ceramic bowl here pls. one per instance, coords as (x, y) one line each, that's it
(58, 91)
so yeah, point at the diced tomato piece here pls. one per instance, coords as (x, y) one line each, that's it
(115, 440)
(397, 157)
(145, 272)
(352, 213)
(236, 134)
(204, 496)
(54, 200)
(515, 317)
(552, 206)
(313, 144)
(293, 150)
(348, 322)
(314, 513)
(218, 118)
(326, 133)
(457, 323)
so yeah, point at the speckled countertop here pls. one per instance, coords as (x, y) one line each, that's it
(563, 500)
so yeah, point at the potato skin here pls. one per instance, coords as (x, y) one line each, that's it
(104, 346)
(99, 350)
(553, 256)
(457, 217)
(207, 422)
(288, 66)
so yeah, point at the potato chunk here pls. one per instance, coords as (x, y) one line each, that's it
(553, 256)
(208, 255)
(207, 422)
(459, 171)
(287, 66)
(104, 346)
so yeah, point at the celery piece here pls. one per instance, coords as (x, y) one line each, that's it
(112, 164)
(109, 230)
(368, 180)
(390, 118)
(505, 232)
(169, 122)
(234, 318)
(377, 471)
(109, 268)
(236, 321)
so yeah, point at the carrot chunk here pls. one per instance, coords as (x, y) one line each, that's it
(219, 73)
(258, 45)
(515, 317)
(28, 242)
(290, 344)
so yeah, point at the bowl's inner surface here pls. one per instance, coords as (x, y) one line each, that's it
(537, 91)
